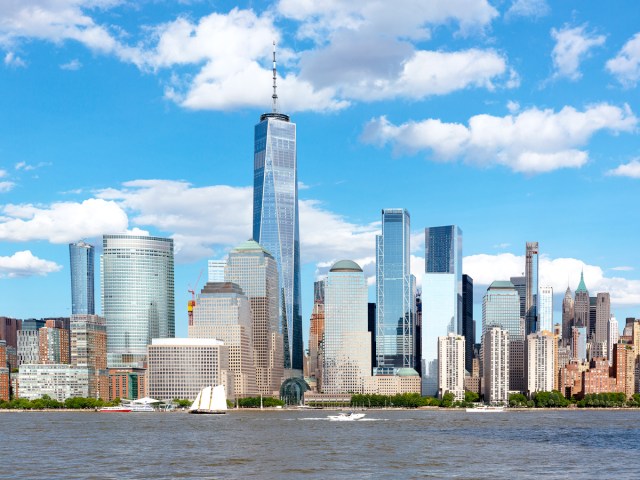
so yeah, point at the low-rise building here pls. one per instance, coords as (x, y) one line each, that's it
(129, 383)
(406, 380)
(59, 381)
(597, 379)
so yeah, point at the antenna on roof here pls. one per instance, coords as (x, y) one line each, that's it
(274, 97)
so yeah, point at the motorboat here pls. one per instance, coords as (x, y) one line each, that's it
(119, 409)
(346, 417)
(210, 400)
(485, 409)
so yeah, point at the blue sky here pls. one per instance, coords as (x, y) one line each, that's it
(516, 120)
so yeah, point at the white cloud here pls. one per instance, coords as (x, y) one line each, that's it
(6, 186)
(61, 222)
(25, 264)
(528, 8)
(485, 269)
(533, 141)
(631, 169)
(572, 47)
(72, 65)
(12, 60)
(623, 269)
(626, 64)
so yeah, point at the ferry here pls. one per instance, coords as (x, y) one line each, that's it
(485, 409)
(120, 409)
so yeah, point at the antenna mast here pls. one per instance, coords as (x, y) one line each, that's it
(274, 97)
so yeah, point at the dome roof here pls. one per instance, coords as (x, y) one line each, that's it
(345, 266)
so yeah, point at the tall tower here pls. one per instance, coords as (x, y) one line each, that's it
(81, 256)
(254, 269)
(567, 316)
(531, 278)
(581, 305)
(468, 325)
(316, 333)
(275, 216)
(347, 341)
(441, 297)
(137, 295)
(394, 303)
(545, 309)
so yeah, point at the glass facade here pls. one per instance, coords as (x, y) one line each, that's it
(394, 287)
(545, 309)
(501, 308)
(137, 295)
(275, 220)
(81, 256)
(531, 274)
(441, 297)
(347, 341)
(468, 325)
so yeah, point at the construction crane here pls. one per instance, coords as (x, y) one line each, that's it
(192, 303)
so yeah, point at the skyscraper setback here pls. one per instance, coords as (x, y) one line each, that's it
(394, 300)
(81, 256)
(275, 217)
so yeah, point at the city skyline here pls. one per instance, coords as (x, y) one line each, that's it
(165, 166)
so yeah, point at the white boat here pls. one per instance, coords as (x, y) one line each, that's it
(210, 400)
(140, 408)
(119, 409)
(346, 417)
(485, 409)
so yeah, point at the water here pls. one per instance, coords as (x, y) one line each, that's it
(304, 445)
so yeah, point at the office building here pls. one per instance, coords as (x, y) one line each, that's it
(495, 378)
(442, 306)
(53, 344)
(545, 309)
(82, 262)
(451, 352)
(541, 362)
(137, 295)
(579, 344)
(581, 304)
(404, 380)
(255, 271)
(9, 328)
(316, 334)
(129, 383)
(215, 270)
(613, 335)
(28, 346)
(601, 331)
(624, 365)
(222, 312)
(181, 367)
(347, 341)
(531, 279)
(468, 324)
(394, 300)
(567, 316)
(275, 216)
(59, 381)
(89, 350)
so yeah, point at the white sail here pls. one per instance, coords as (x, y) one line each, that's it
(210, 400)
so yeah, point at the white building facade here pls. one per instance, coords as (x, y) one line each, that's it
(541, 352)
(451, 350)
(545, 309)
(495, 382)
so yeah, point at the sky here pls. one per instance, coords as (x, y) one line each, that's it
(515, 119)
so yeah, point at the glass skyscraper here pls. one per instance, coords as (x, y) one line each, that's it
(545, 309)
(501, 308)
(531, 274)
(137, 295)
(394, 294)
(81, 256)
(441, 297)
(275, 220)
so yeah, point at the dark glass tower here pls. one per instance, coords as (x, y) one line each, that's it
(468, 329)
(275, 217)
(81, 256)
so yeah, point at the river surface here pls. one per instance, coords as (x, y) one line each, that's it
(305, 445)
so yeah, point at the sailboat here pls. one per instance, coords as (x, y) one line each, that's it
(210, 400)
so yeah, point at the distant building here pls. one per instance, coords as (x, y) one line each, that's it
(405, 380)
(579, 343)
(451, 350)
(603, 315)
(129, 383)
(567, 316)
(468, 325)
(181, 367)
(597, 379)
(53, 344)
(222, 312)
(541, 362)
(442, 304)
(394, 294)
(28, 346)
(59, 381)
(520, 284)
(215, 270)
(495, 381)
(89, 350)
(316, 334)
(531, 274)
(347, 341)
(613, 334)
(82, 262)
(255, 270)
(581, 305)
(624, 365)
(137, 295)
(5, 373)
(9, 328)
(545, 309)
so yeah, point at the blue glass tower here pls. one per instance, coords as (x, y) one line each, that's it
(81, 256)
(275, 217)
(395, 310)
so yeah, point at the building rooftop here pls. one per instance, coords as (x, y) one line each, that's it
(186, 342)
(581, 286)
(345, 266)
(222, 287)
(251, 245)
(407, 372)
(502, 285)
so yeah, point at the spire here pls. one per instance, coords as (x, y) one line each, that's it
(275, 95)
(581, 286)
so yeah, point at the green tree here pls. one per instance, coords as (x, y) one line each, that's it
(471, 397)
(447, 400)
